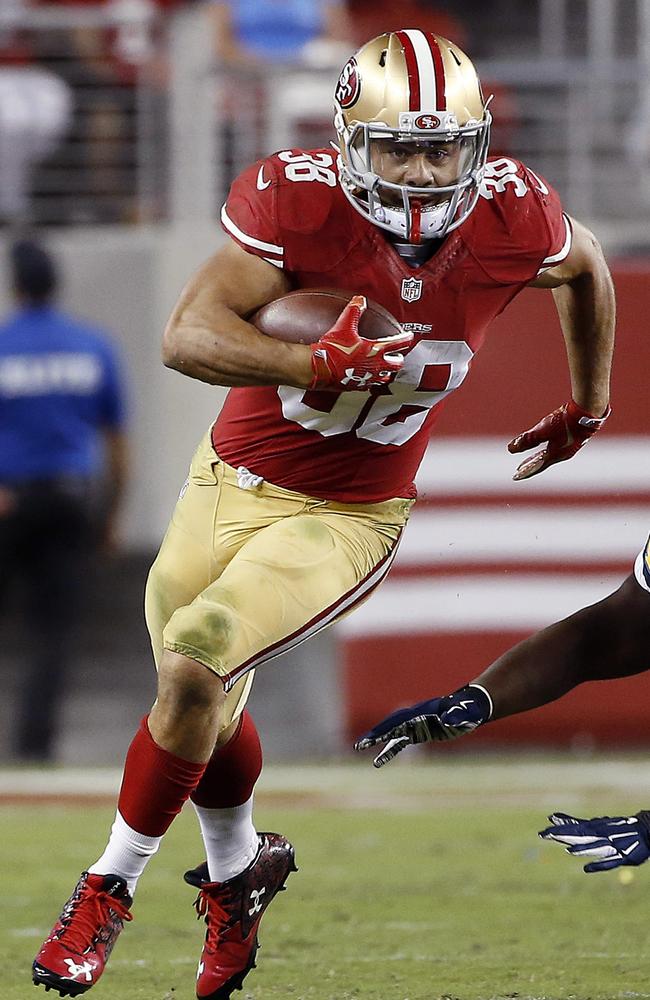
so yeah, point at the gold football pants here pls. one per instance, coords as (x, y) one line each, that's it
(246, 574)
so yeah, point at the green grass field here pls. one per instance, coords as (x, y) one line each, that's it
(419, 882)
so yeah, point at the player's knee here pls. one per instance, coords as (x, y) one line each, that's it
(188, 685)
(206, 629)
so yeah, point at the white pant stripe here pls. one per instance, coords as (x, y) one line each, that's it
(330, 615)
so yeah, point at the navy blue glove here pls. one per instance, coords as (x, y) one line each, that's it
(435, 720)
(614, 840)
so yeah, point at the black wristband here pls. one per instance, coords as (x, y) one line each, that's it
(479, 696)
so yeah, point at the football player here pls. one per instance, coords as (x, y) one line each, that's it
(606, 640)
(298, 494)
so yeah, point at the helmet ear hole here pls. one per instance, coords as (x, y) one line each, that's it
(382, 58)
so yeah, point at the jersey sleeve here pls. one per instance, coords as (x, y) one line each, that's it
(522, 229)
(287, 210)
(250, 214)
(559, 232)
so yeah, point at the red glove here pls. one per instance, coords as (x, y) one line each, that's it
(566, 430)
(344, 361)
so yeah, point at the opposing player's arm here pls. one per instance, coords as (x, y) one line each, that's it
(607, 640)
(584, 297)
(207, 338)
(604, 641)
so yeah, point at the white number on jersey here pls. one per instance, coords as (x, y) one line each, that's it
(498, 175)
(432, 369)
(308, 167)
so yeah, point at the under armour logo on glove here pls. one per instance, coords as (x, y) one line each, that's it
(342, 360)
(613, 840)
(360, 380)
(429, 721)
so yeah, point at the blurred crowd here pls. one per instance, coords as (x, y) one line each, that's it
(73, 76)
(68, 100)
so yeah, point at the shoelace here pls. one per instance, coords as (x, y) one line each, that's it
(90, 910)
(217, 917)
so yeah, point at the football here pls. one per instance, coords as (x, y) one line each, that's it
(303, 316)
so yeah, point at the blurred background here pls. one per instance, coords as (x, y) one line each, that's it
(121, 126)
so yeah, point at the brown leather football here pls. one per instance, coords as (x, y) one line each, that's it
(303, 316)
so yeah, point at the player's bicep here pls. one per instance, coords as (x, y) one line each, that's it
(584, 257)
(234, 279)
(231, 284)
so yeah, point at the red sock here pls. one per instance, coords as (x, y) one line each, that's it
(155, 784)
(232, 770)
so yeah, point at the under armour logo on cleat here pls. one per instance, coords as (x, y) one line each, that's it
(255, 899)
(79, 970)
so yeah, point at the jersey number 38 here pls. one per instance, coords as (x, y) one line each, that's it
(432, 369)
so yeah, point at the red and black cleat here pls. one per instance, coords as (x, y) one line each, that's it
(233, 911)
(74, 955)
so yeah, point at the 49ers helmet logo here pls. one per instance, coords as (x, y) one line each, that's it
(349, 86)
(427, 121)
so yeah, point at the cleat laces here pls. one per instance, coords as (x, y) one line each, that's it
(218, 917)
(80, 930)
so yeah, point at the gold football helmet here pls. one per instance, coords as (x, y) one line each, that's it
(416, 89)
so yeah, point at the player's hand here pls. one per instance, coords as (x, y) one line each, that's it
(436, 720)
(613, 840)
(342, 360)
(564, 431)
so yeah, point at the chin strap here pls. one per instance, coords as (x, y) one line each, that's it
(415, 232)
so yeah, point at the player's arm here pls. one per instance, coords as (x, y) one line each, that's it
(584, 297)
(208, 337)
(607, 640)
(610, 639)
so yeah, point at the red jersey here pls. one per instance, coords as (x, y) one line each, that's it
(362, 447)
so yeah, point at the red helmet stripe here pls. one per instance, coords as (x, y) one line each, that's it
(412, 70)
(439, 68)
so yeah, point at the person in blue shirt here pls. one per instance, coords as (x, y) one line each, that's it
(252, 33)
(62, 474)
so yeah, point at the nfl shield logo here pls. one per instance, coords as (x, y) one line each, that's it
(411, 289)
